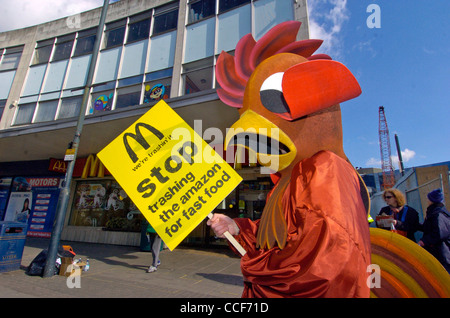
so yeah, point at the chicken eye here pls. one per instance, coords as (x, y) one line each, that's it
(271, 94)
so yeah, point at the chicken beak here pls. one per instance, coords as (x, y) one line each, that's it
(274, 149)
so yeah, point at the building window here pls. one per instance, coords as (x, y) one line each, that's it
(198, 76)
(6, 80)
(54, 78)
(2, 107)
(201, 9)
(77, 72)
(63, 47)
(225, 5)
(200, 38)
(108, 65)
(10, 59)
(269, 13)
(46, 111)
(25, 114)
(166, 18)
(114, 34)
(115, 37)
(102, 102)
(70, 107)
(129, 96)
(43, 52)
(102, 98)
(162, 52)
(34, 80)
(138, 31)
(85, 42)
(156, 91)
(130, 81)
(157, 85)
(232, 26)
(133, 59)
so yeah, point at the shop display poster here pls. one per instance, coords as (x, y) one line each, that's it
(33, 200)
(19, 207)
(170, 173)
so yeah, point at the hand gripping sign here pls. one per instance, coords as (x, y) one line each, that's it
(172, 175)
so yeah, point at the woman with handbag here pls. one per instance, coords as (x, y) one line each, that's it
(404, 218)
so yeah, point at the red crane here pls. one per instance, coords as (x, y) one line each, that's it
(385, 149)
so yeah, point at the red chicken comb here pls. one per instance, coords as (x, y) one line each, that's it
(232, 73)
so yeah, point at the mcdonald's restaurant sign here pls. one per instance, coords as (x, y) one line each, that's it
(172, 175)
(93, 168)
(84, 167)
(57, 165)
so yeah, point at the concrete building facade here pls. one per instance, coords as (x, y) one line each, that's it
(150, 50)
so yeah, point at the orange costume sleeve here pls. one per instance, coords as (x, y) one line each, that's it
(328, 245)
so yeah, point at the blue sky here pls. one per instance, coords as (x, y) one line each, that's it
(403, 66)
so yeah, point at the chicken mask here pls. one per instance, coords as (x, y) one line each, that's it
(290, 97)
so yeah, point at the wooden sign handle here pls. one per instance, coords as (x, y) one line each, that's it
(232, 240)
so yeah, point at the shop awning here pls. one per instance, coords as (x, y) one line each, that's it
(50, 140)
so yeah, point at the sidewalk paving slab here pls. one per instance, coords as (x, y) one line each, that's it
(120, 271)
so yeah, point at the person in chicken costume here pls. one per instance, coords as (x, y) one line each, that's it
(313, 237)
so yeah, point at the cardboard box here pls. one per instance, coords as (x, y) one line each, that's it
(68, 268)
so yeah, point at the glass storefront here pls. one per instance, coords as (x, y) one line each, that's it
(103, 203)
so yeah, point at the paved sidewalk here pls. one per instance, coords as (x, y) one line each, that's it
(120, 271)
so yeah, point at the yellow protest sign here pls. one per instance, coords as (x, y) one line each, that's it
(172, 175)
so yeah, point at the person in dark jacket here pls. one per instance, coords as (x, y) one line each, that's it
(436, 229)
(405, 218)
